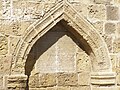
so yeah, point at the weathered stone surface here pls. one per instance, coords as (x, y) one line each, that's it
(1, 81)
(16, 82)
(99, 25)
(102, 1)
(110, 28)
(3, 45)
(84, 78)
(114, 62)
(5, 64)
(67, 79)
(61, 51)
(81, 8)
(109, 41)
(116, 45)
(83, 62)
(47, 80)
(63, 88)
(118, 29)
(104, 88)
(12, 44)
(97, 12)
(81, 88)
(112, 13)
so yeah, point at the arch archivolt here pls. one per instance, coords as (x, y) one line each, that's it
(68, 16)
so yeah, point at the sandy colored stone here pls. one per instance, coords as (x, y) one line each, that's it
(5, 64)
(118, 29)
(102, 1)
(47, 80)
(99, 25)
(63, 88)
(109, 41)
(114, 61)
(67, 79)
(83, 62)
(110, 28)
(116, 45)
(112, 13)
(3, 45)
(34, 81)
(97, 12)
(81, 88)
(84, 78)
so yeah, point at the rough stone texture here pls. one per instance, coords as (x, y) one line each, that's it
(66, 79)
(83, 62)
(3, 45)
(99, 25)
(47, 80)
(112, 13)
(62, 59)
(84, 78)
(116, 46)
(97, 12)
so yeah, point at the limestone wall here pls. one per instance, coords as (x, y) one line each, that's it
(17, 15)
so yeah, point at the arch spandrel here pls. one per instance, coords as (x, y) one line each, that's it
(66, 13)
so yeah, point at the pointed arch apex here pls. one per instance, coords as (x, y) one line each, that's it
(64, 11)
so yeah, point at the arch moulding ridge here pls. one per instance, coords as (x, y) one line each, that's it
(62, 11)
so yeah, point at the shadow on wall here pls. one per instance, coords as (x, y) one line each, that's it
(45, 42)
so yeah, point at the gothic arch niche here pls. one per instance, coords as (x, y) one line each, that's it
(59, 52)
(91, 42)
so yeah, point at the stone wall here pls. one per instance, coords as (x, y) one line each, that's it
(17, 15)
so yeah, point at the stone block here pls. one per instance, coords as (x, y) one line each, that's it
(110, 28)
(3, 45)
(5, 64)
(12, 44)
(51, 88)
(118, 79)
(109, 41)
(83, 62)
(102, 1)
(81, 8)
(84, 78)
(33, 81)
(114, 62)
(118, 29)
(104, 88)
(16, 82)
(63, 88)
(112, 13)
(116, 45)
(99, 25)
(73, 1)
(46, 64)
(81, 88)
(67, 79)
(37, 89)
(1, 81)
(47, 80)
(66, 63)
(97, 12)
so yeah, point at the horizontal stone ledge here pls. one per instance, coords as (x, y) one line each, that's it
(17, 78)
(103, 78)
(16, 81)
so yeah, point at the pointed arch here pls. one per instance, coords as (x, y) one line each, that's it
(65, 13)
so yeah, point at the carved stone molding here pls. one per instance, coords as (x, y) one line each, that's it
(62, 11)
(15, 82)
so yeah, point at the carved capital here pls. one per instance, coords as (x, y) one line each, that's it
(16, 82)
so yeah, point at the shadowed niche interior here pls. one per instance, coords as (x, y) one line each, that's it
(53, 39)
